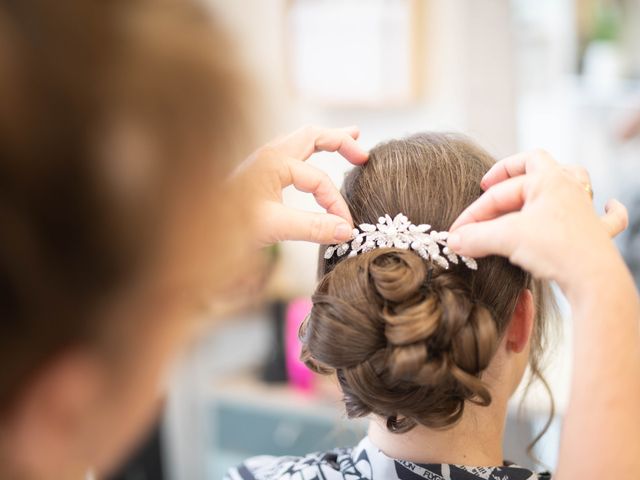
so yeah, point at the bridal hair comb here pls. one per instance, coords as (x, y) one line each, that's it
(399, 232)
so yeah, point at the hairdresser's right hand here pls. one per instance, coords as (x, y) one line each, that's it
(281, 163)
(540, 215)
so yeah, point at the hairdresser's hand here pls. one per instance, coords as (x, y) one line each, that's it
(540, 215)
(282, 163)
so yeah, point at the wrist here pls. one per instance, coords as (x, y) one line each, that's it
(601, 273)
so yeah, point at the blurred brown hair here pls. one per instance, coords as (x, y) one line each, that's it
(408, 340)
(119, 124)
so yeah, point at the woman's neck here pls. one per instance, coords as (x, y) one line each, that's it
(475, 440)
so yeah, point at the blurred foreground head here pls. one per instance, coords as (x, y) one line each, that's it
(119, 122)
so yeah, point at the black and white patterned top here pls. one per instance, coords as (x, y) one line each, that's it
(367, 462)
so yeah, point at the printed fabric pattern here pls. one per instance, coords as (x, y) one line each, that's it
(367, 462)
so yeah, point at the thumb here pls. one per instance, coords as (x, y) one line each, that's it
(492, 237)
(615, 218)
(285, 223)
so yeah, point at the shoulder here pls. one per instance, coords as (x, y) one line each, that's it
(321, 464)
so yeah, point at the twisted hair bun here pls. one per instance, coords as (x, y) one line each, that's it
(405, 337)
(408, 340)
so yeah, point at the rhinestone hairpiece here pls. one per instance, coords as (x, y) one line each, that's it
(399, 232)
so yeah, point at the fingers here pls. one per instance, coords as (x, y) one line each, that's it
(344, 144)
(507, 196)
(494, 237)
(309, 179)
(302, 143)
(515, 165)
(615, 219)
(501, 235)
(287, 223)
(580, 173)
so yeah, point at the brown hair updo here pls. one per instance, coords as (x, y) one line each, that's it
(407, 339)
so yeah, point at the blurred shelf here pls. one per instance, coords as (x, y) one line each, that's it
(248, 390)
(247, 417)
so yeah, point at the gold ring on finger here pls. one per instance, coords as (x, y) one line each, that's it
(588, 189)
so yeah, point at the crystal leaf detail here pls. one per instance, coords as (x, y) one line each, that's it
(399, 232)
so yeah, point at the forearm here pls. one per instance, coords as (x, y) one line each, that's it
(601, 431)
(536, 213)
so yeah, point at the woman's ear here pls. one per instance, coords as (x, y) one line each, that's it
(520, 327)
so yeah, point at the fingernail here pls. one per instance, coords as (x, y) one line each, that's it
(342, 232)
(454, 241)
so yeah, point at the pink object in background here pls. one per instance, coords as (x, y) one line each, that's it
(299, 375)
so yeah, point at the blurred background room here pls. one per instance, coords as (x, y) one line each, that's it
(562, 75)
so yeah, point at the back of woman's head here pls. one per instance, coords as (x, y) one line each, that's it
(409, 340)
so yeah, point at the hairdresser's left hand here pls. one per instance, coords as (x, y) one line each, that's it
(281, 163)
(539, 214)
